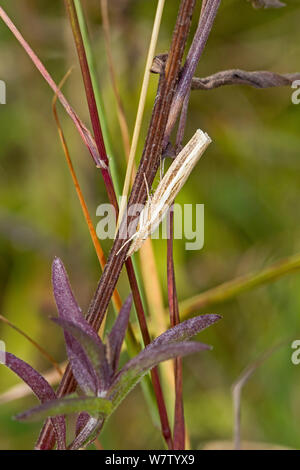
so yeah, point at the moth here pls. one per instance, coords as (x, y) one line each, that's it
(158, 205)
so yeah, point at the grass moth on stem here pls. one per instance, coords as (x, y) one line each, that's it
(157, 206)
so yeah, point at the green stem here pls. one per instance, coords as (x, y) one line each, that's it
(98, 96)
(231, 289)
(102, 115)
(146, 383)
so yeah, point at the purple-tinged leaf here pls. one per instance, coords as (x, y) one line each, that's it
(31, 377)
(94, 350)
(88, 434)
(41, 389)
(67, 306)
(130, 375)
(116, 336)
(81, 366)
(185, 330)
(150, 357)
(95, 406)
(69, 310)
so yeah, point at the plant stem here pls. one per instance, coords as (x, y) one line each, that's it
(120, 109)
(147, 169)
(141, 106)
(149, 162)
(151, 154)
(82, 129)
(149, 271)
(179, 433)
(231, 289)
(98, 96)
(179, 426)
(99, 141)
(116, 299)
(206, 22)
(90, 95)
(242, 381)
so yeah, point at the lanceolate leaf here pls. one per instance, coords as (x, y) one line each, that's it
(93, 405)
(116, 336)
(85, 349)
(82, 368)
(134, 370)
(185, 330)
(68, 309)
(94, 350)
(67, 306)
(41, 389)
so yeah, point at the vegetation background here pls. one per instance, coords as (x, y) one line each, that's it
(248, 181)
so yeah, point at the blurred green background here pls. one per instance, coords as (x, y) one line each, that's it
(248, 180)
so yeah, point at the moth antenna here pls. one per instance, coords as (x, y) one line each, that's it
(147, 188)
(169, 186)
(126, 243)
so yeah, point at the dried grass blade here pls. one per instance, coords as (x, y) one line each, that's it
(82, 129)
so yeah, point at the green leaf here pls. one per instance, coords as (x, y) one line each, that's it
(134, 370)
(93, 405)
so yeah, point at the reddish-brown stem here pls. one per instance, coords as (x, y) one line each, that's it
(206, 22)
(100, 144)
(102, 151)
(148, 168)
(89, 90)
(182, 123)
(179, 422)
(82, 129)
(70, 6)
(179, 425)
(149, 162)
